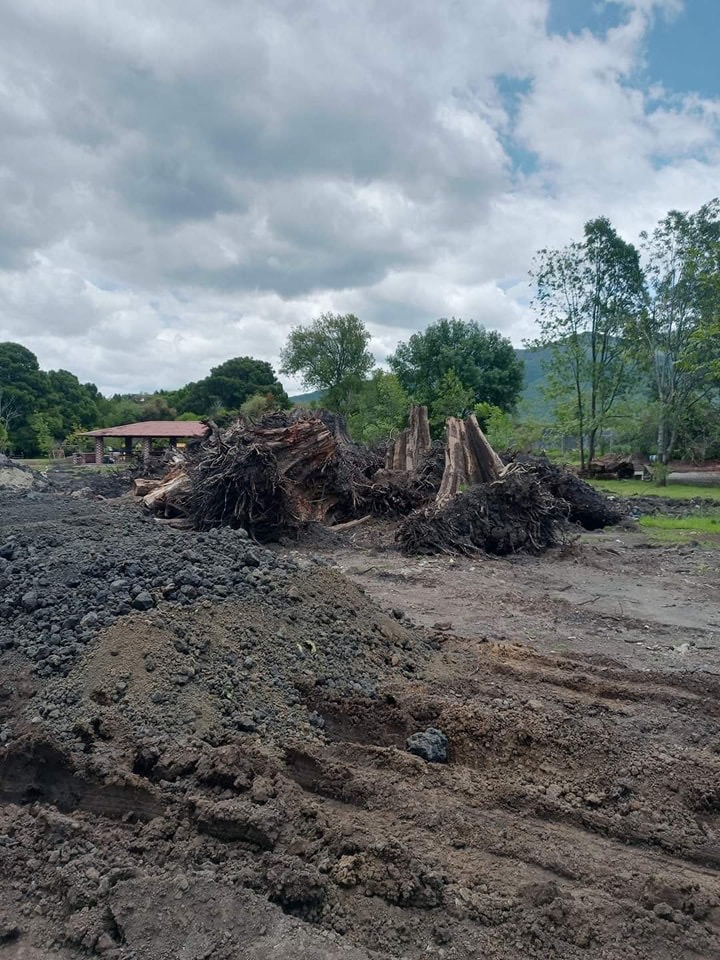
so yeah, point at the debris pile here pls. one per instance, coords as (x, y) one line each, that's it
(516, 513)
(612, 467)
(275, 477)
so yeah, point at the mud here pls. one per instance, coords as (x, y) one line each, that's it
(577, 814)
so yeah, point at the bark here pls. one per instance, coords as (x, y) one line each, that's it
(469, 459)
(411, 444)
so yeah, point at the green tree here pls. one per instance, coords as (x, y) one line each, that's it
(69, 403)
(452, 399)
(44, 441)
(588, 294)
(331, 354)
(675, 334)
(23, 389)
(228, 386)
(483, 361)
(256, 406)
(377, 408)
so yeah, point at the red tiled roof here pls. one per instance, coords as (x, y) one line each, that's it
(153, 428)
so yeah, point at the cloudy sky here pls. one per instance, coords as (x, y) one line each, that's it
(183, 181)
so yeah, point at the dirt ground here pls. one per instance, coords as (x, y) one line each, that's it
(577, 815)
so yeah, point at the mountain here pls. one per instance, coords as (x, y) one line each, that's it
(534, 376)
(301, 399)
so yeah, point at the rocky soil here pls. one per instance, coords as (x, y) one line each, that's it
(210, 749)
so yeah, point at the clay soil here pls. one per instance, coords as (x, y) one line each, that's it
(577, 815)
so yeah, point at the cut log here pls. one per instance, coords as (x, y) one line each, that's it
(164, 498)
(143, 485)
(488, 463)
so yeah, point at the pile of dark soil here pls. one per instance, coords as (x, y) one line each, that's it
(227, 775)
(69, 568)
(181, 619)
(89, 481)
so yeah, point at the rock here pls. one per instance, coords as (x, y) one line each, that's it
(663, 910)
(30, 601)
(432, 745)
(143, 601)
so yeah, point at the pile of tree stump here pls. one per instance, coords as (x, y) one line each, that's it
(277, 476)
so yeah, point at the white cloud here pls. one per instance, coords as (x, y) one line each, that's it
(183, 183)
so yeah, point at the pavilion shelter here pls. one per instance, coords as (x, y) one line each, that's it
(146, 431)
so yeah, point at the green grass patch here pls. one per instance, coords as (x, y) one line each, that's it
(37, 464)
(703, 528)
(640, 488)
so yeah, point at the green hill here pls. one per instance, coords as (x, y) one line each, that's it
(301, 399)
(534, 377)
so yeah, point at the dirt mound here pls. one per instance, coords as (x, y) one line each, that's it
(231, 775)
(16, 478)
(69, 568)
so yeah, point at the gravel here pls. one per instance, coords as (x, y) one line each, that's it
(172, 633)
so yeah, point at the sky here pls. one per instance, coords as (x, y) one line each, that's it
(183, 182)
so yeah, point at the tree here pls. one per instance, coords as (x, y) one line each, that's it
(482, 361)
(331, 354)
(69, 403)
(588, 294)
(674, 336)
(453, 399)
(43, 437)
(377, 409)
(228, 386)
(24, 391)
(256, 406)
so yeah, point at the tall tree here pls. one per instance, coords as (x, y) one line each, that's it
(677, 335)
(331, 354)
(587, 295)
(454, 359)
(24, 389)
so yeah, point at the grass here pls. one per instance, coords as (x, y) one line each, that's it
(703, 528)
(675, 491)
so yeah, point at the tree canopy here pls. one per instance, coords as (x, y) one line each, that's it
(588, 293)
(228, 387)
(456, 359)
(330, 354)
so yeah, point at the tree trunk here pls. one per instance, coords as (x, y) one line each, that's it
(411, 444)
(469, 459)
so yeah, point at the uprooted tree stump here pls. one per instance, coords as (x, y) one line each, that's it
(288, 470)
